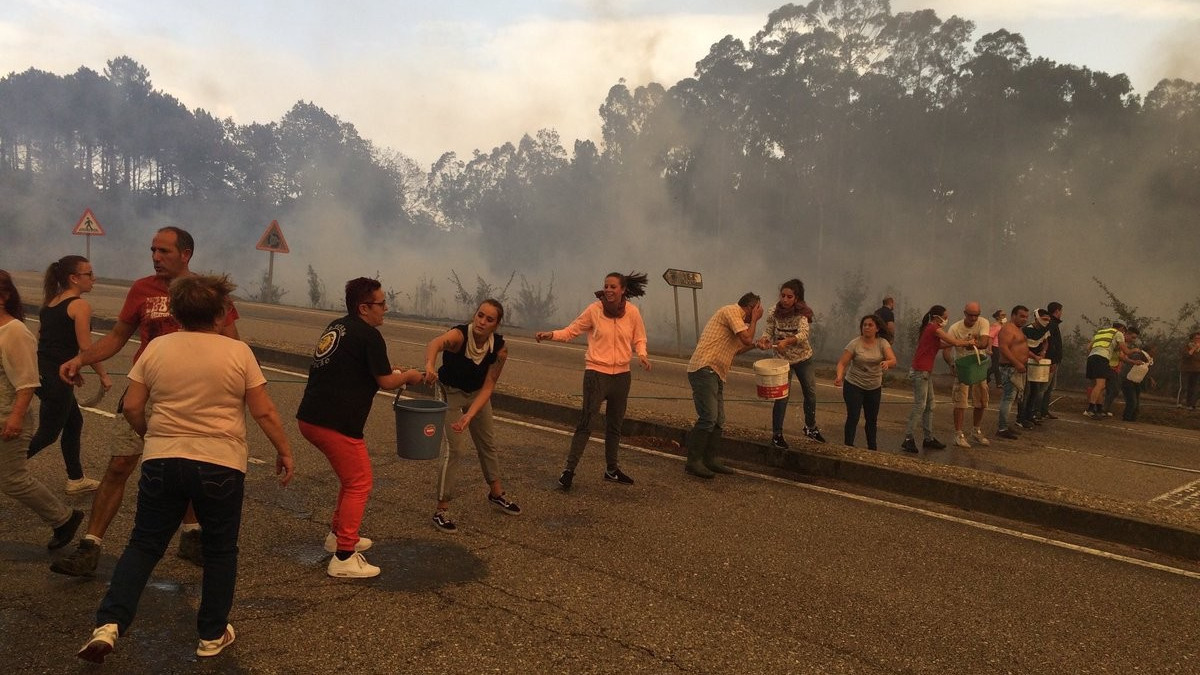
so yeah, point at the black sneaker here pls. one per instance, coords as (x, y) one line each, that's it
(616, 476)
(778, 442)
(1049, 416)
(1025, 424)
(566, 478)
(932, 443)
(814, 433)
(63, 534)
(501, 501)
(441, 520)
(79, 563)
(191, 548)
(1007, 433)
(909, 445)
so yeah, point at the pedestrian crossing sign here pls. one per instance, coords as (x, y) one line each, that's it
(88, 225)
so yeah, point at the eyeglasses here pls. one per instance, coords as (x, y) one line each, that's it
(970, 314)
(86, 274)
(382, 303)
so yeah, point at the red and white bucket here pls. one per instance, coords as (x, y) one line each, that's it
(771, 378)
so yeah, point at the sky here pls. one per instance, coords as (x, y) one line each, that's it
(423, 78)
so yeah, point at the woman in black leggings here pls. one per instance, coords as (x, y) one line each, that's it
(860, 375)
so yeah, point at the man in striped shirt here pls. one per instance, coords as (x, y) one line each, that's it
(728, 333)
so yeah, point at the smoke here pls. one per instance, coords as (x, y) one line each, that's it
(1177, 56)
(480, 86)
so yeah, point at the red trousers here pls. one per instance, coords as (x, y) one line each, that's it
(349, 459)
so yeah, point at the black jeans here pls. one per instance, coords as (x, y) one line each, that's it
(59, 414)
(865, 401)
(1132, 393)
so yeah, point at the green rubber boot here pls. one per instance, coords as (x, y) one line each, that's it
(696, 442)
(710, 453)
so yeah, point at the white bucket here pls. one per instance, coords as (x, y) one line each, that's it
(771, 376)
(1037, 371)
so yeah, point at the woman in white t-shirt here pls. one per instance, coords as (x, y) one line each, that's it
(860, 375)
(18, 380)
(198, 383)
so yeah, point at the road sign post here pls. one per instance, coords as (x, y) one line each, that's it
(685, 279)
(272, 240)
(89, 227)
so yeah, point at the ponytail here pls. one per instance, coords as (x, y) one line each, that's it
(58, 276)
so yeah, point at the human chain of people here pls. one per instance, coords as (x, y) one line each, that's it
(182, 417)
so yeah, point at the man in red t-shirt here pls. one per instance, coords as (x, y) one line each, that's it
(146, 310)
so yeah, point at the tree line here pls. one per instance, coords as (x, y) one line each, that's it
(839, 137)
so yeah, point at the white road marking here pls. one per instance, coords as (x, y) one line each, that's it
(1187, 490)
(849, 495)
(902, 507)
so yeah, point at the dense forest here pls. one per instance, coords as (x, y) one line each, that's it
(864, 151)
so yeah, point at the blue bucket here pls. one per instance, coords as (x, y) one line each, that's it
(419, 423)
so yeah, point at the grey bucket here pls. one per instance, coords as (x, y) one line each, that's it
(419, 424)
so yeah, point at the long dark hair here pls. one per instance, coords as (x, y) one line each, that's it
(936, 310)
(797, 287)
(634, 283)
(58, 276)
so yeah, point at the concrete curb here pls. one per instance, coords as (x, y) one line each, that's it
(1117, 528)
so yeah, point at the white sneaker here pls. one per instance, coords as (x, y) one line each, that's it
(960, 439)
(104, 638)
(979, 438)
(213, 647)
(354, 567)
(331, 543)
(80, 486)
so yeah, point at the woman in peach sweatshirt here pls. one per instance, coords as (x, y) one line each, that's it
(615, 332)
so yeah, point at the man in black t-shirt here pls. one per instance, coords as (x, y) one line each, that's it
(349, 365)
(887, 314)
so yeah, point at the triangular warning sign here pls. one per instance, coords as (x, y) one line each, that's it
(272, 239)
(88, 224)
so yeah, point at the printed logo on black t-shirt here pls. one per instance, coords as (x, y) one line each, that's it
(328, 343)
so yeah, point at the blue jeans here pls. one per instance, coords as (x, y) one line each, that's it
(164, 490)
(1032, 399)
(808, 385)
(1013, 383)
(865, 401)
(922, 406)
(708, 393)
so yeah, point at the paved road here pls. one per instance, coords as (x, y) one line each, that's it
(744, 574)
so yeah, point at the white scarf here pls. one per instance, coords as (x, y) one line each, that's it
(477, 354)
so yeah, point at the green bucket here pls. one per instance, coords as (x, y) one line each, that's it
(972, 368)
(419, 423)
